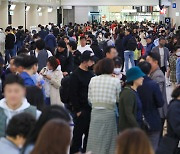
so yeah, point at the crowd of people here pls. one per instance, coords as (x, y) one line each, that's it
(96, 88)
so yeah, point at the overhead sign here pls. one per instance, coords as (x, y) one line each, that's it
(167, 20)
(174, 5)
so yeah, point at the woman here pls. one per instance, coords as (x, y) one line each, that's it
(171, 45)
(53, 76)
(103, 94)
(53, 112)
(172, 65)
(133, 141)
(130, 107)
(54, 138)
(170, 142)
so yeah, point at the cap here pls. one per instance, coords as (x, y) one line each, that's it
(88, 55)
(134, 73)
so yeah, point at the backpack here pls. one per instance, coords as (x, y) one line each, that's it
(64, 92)
(103, 45)
(132, 44)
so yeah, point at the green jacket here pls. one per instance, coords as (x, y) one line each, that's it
(127, 109)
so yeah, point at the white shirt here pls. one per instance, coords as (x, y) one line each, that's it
(161, 52)
(82, 49)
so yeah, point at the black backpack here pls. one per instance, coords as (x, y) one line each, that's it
(132, 44)
(103, 45)
(64, 92)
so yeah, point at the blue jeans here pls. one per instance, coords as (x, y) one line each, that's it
(8, 53)
(128, 55)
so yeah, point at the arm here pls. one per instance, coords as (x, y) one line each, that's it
(157, 96)
(129, 104)
(56, 79)
(74, 96)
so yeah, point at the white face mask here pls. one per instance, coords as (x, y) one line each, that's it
(178, 54)
(117, 71)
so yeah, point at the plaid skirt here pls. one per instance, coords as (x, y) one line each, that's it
(102, 132)
(173, 76)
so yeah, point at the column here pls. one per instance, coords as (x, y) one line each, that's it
(4, 14)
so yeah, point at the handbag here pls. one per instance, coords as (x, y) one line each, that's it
(145, 125)
(168, 145)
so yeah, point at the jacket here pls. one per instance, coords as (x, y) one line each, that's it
(127, 109)
(6, 113)
(7, 147)
(166, 54)
(66, 60)
(125, 41)
(28, 81)
(10, 41)
(43, 34)
(152, 99)
(178, 70)
(96, 49)
(159, 78)
(149, 47)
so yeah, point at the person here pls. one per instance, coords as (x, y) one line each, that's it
(49, 113)
(129, 44)
(157, 75)
(178, 71)
(130, 107)
(35, 97)
(53, 75)
(96, 49)
(30, 67)
(72, 47)
(150, 45)
(50, 41)
(119, 48)
(172, 44)
(65, 57)
(133, 141)
(14, 101)
(164, 54)
(50, 138)
(110, 52)
(20, 36)
(78, 95)
(16, 133)
(42, 33)
(9, 45)
(83, 47)
(41, 54)
(172, 65)
(170, 141)
(103, 94)
(151, 98)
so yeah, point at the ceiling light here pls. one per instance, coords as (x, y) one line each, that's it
(12, 7)
(50, 9)
(27, 8)
(39, 9)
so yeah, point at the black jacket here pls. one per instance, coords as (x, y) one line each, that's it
(76, 59)
(79, 83)
(9, 42)
(96, 49)
(66, 60)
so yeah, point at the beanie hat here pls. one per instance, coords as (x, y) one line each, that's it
(134, 73)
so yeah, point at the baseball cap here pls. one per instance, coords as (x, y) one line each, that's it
(88, 55)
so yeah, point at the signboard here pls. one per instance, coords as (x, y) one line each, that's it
(11, 13)
(167, 20)
(173, 5)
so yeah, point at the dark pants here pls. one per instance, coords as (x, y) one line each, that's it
(9, 53)
(81, 127)
(162, 127)
(163, 69)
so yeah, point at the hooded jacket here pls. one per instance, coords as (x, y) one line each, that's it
(6, 113)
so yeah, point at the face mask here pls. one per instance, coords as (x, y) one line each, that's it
(117, 71)
(178, 54)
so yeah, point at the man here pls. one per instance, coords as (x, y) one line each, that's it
(30, 68)
(151, 98)
(41, 54)
(14, 101)
(129, 46)
(164, 54)
(107, 41)
(16, 133)
(20, 36)
(157, 75)
(83, 47)
(42, 33)
(65, 57)
(150, 45)
(79, 82)
(9, 45)
(111, 52)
